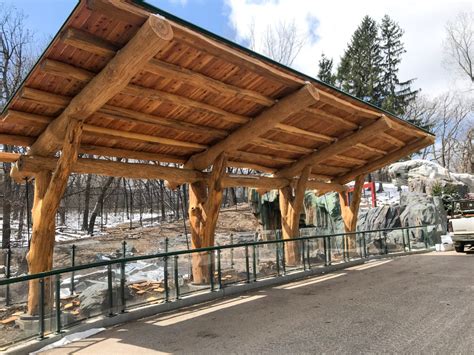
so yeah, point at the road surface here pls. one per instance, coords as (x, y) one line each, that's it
(413, 304)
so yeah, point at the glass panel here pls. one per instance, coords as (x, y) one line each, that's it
(336, 247)
(266, 260)
(315, 252)
(234, 266)
(145, 281)
(417, 238)
(16, 325)
(395, 241)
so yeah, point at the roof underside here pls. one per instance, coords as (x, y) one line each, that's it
(194, 93)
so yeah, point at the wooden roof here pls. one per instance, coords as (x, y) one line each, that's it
(196, 91)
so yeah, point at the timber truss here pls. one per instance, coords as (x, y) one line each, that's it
(120, 81)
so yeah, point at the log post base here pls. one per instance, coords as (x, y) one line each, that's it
(204, 204)
(290, 208)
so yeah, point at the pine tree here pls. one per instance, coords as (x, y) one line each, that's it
(359, 72)
(396, 95)
(325, 70)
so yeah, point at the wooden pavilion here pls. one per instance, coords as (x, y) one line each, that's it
(123, 79)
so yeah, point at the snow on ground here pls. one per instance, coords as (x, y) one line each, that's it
(389, 196)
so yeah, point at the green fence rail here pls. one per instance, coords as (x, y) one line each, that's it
(69, 295)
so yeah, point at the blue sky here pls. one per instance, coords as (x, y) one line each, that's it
(45, 17)
(327, 27)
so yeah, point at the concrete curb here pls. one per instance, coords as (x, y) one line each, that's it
(206, 296)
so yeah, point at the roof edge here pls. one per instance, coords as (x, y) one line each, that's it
(157, 10)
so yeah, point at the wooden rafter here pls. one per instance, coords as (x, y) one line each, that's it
(381, 125)
(17, 116)
(258, 126)
(330, 118)
(395, 155)
(128, 12)
(150, 38)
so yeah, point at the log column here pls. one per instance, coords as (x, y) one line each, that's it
(290, 208)
(204, 205)
(49, 188)
(349, 212)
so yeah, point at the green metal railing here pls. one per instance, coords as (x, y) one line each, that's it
(258, 259)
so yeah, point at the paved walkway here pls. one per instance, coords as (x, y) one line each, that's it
(413, 304)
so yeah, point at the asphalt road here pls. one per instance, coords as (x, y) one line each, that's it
(413, 304)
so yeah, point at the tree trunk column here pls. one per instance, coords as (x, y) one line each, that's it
(40, 255)
(349, 212)
(49, 189)
(290, 209)
(204, 205)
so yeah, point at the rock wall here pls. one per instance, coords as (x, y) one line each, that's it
(421, 175)
(415, 209)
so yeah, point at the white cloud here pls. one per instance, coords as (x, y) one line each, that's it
(423, 22)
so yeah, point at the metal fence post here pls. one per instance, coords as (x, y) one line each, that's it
(211, 271)
(110, 290)
(73, 263)
(425, 236)
(404, 241)
(124, 249)
(326, 254)
(165, 279)
(308, 254)
(303, 251)
(8, 274)
(231, 251)
(58, 303)
(408, 239)
(364, 242)
(176, 277)
(41, 309)
(277, 255)
(283, 258)
(254, 262)
(247, 264)
(122, 286)
(219, 270)
(330, 251)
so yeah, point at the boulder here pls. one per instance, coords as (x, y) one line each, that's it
(95, 299)
(422, 209)
(381, 217)
(421, 175)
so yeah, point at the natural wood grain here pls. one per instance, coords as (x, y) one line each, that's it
(382, 124)
(149, 39)
(257, 126)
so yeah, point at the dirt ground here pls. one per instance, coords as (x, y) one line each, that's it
(151, 239)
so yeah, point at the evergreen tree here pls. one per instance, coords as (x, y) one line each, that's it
(396, 95)
(325, 70)
(360, 70)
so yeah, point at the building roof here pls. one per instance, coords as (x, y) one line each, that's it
(196, 92)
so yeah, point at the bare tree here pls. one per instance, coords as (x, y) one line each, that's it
(459, 44)
(424, 111)
(453, 120)
(16, 59)
(281, 42)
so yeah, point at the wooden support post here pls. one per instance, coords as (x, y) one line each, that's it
(49, 188)
(204, 205)
(290, 208)
(349, 212)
